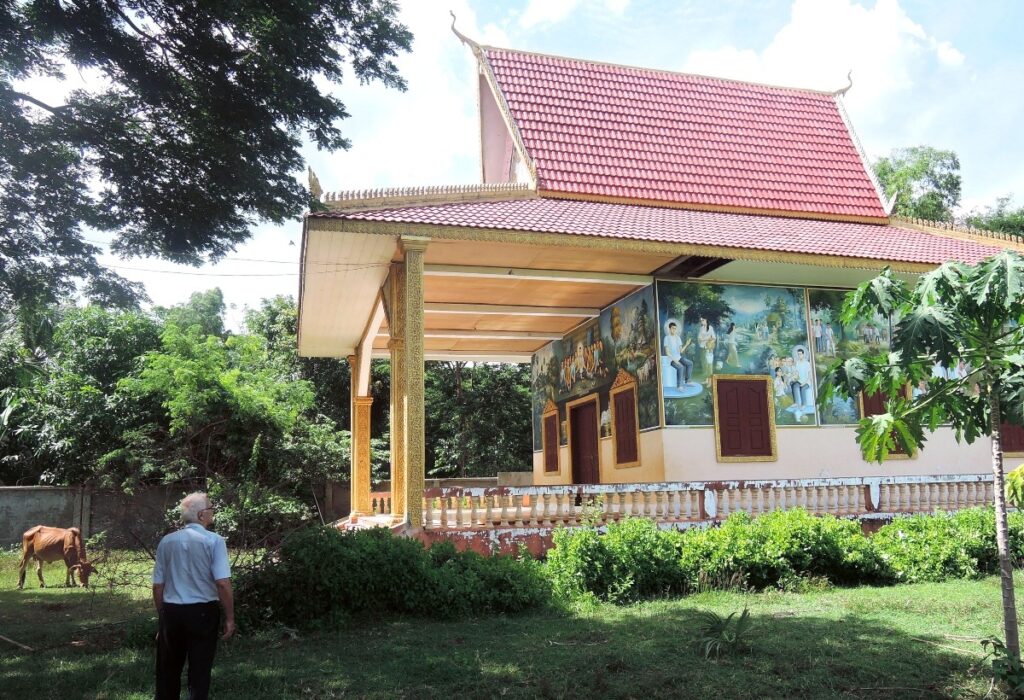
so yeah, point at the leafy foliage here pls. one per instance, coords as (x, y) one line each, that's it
(194, 131)
(1006, 668)
(322, 576)
(1001, 216)
(635, 559)
(782, 549)
(925, 181)
(475, 425)
(717, 635)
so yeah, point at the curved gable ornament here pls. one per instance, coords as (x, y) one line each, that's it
(623, 378)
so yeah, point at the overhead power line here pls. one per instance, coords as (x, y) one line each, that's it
(340, 267)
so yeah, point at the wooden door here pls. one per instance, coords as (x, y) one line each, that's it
(583, 439)
(1013, 438)
(743, 418)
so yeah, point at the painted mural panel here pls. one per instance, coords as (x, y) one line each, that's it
(588, 359)
(711, 329)
(832, 340)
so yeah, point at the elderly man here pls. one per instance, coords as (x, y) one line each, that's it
(191, 574)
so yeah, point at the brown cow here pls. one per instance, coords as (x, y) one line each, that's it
(46, 544)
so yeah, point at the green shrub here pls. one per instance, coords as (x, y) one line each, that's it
(579, 563)
(322, 576)
(778, 548)
(634, 559)
(941, 546)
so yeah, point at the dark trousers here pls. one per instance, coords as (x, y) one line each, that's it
(186, 631)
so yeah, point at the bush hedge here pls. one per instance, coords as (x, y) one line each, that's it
(322, 576)
(777, 550)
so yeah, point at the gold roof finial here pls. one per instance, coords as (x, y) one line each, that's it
(314, 184)
(463, 38)
(842, 91)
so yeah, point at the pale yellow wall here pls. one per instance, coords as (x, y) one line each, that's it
(808, 453)
(688, 454)
(562, 476)
(651, 467)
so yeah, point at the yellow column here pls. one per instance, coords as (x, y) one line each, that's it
(396, 324)
(360, 444)
(415, 438)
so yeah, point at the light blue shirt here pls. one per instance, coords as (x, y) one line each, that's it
(189, 562)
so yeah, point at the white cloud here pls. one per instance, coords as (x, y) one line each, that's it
(824, 39)
(546, 12)
(428, 134)
(617, 6)
(947, 53)
(542, 12)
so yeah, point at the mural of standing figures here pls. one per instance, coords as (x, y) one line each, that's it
(588, 359)
(834, 341)
(709, 329)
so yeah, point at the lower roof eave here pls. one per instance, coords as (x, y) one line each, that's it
(606, 243)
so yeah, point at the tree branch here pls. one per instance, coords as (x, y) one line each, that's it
(145, 35)
(58, 111)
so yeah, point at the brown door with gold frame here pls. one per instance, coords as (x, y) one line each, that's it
(584, 445)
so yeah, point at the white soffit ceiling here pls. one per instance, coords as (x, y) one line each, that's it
(341, 277)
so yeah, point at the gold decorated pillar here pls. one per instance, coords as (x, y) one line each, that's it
(415, 419)
(396, 345)
(360, 443)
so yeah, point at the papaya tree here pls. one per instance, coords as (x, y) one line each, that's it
(958, 339)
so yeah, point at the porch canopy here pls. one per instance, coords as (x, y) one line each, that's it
(495, 272)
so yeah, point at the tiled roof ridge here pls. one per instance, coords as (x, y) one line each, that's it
(663, 71)
(954, 230)
(887, 204)
(402, 197)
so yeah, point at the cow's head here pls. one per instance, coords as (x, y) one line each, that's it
(85, 569)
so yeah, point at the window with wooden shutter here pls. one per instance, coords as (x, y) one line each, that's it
(1013, 439)
(625, 425)
(873, 405)
(549, 437)
(744, 418)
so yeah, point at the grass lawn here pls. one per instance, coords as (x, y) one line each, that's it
(916, 641)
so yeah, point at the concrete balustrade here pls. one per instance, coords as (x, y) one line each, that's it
(684, 504)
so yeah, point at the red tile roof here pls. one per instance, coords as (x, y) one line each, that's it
(631, 133)
(673, 225)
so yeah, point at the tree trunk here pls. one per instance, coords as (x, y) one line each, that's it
(1002, 538)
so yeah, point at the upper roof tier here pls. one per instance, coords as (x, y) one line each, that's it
(593, 130)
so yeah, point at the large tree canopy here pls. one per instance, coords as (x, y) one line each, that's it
(191, 134)
(1002, 217)
(925, 180)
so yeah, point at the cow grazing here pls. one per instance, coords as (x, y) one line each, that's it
(45, 544)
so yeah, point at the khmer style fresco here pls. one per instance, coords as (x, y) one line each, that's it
(708, 329)
(588, 359)
(832, 340)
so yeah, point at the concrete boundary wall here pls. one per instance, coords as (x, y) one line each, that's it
(135, 520)
(22, 507)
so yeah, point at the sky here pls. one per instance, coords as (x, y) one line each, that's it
(945, 74)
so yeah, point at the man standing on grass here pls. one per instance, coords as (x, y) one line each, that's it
(191, 574)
